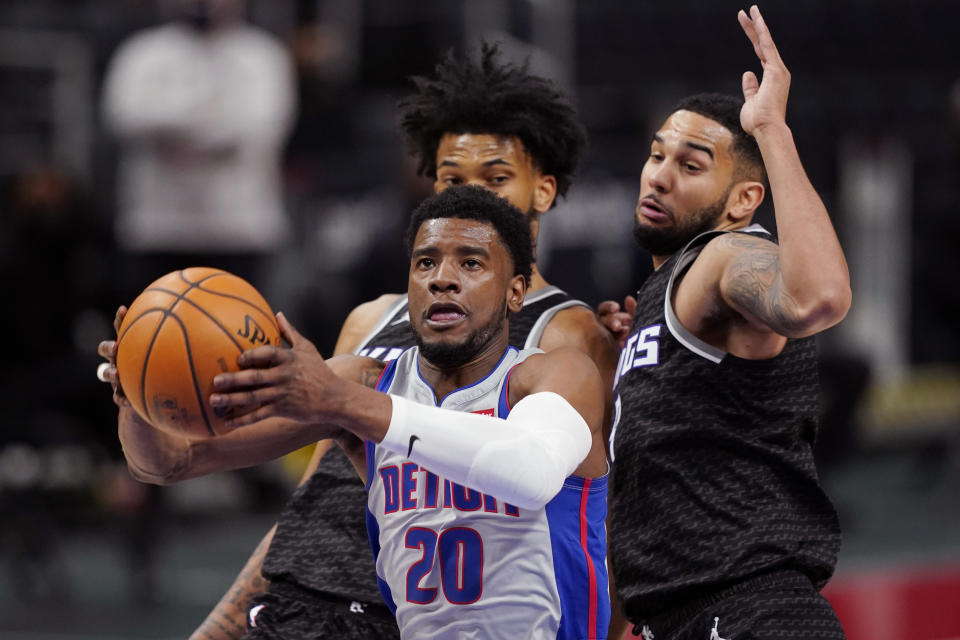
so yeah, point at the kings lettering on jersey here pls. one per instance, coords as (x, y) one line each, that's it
(641, 350)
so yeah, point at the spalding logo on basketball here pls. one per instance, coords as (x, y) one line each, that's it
(184, 329)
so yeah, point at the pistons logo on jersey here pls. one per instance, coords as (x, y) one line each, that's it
(641, 350)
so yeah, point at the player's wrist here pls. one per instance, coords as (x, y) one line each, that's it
(772, 133)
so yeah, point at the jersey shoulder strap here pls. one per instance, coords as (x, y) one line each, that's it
(539, 308)
(687, 255)
(396, 312)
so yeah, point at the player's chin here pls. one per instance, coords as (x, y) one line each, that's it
(445, 352)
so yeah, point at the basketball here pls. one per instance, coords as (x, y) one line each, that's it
(178, 334)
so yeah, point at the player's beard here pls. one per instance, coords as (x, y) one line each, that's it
(666, 242)
(450, 355)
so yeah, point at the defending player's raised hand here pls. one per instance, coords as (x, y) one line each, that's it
(765, 101)
(276, 382)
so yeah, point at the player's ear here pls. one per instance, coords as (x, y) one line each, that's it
(744, 199)
(544, 193)
(516, 293)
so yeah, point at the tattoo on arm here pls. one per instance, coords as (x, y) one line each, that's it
(228, 620)
(370, 374)
(754, 282)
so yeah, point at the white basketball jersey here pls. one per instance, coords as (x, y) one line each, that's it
(455, 563)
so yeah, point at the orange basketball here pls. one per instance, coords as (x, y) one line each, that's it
(184, 329)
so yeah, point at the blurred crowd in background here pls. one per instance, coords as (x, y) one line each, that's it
(141, 136)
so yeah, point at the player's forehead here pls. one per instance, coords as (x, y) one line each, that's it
(457, 235)
(685, 128)
(467, 149)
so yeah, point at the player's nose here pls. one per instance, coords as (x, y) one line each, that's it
(445, 277)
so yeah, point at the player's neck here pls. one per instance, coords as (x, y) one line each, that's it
(444, 381)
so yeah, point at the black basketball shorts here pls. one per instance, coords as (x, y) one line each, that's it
(787, 608)
(296, 614)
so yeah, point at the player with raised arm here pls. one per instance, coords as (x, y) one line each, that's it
(718, 521)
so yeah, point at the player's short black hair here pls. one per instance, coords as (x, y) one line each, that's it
(471, 202)
(493, 97)
(725, 109)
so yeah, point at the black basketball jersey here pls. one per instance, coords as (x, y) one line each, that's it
(713, 475)
(321, 539)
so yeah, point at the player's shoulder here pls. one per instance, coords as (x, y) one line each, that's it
(575, 327)
(735, 242)
(715, 255)
(567, 359)
(362, 319)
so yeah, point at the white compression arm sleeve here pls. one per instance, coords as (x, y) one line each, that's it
(522, 460)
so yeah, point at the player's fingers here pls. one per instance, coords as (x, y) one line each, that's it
(249, 418)
(287, 330)
(119, 399)
(630, 305)
(607, 306)
(245, 398)
(291, 335)
(247, 378)
(620, 324)
(107, 349)
(118, 318)
(750, 84)
(750, 29)
(262, 357)
(768, 49)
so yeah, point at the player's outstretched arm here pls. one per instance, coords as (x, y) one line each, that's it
(159, 457)
(803, 286)
(555, 422)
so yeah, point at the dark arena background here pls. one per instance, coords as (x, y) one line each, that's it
(86, 552)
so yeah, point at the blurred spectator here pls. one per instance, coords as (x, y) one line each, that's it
(201, 107)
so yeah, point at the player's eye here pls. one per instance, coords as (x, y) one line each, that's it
(424, 263)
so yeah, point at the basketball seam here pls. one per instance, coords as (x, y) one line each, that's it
(146, 357)
(231, 296)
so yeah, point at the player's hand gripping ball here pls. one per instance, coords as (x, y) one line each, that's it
(178, 334)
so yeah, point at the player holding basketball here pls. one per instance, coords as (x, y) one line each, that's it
(458, 124)
(489, 124)
(485, 465)
(719, 526)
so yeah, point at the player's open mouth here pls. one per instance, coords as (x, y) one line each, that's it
(444, 314)
(653, 210)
